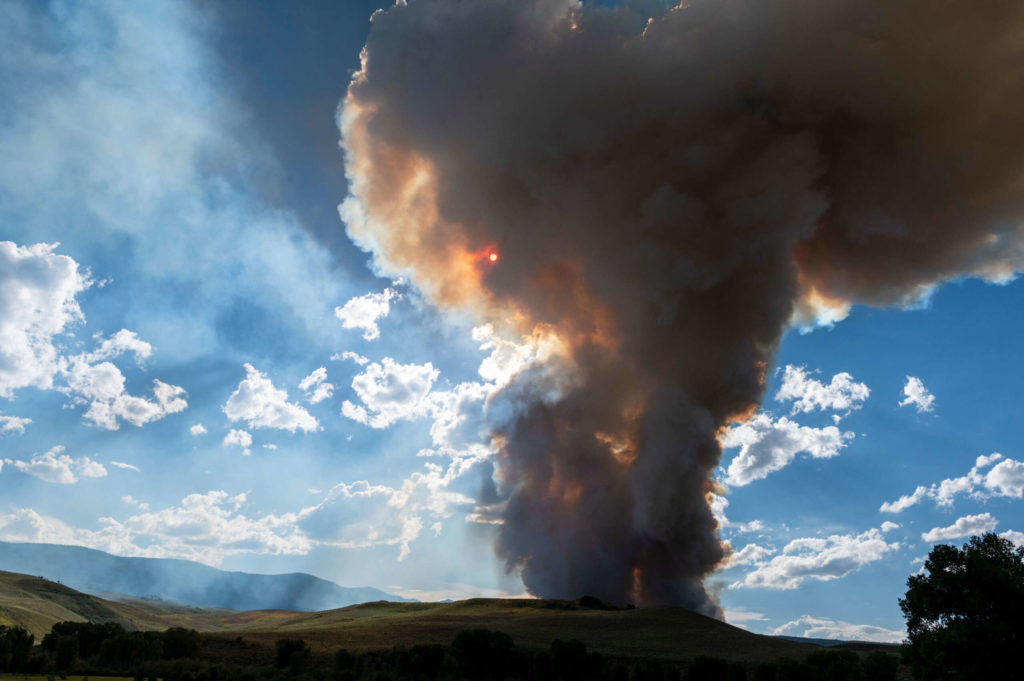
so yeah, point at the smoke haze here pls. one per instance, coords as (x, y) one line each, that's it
(669, 190)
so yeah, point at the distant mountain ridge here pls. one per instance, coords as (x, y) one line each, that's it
(182, 581)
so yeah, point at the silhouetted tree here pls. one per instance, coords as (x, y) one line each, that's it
(179, 642)
(66, 653)
(764, 672)
(964, 613)
(788, 669)
(834, 665)
(344, 661)
(648, 670)
(482, 654)
(5, 650)
(879, 666)
(16, 648)
(421, 662)
(708, 669)
(292, 653)
(569, 661)
(89, 636)
(737, 672)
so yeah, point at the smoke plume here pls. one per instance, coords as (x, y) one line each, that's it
(669, 189)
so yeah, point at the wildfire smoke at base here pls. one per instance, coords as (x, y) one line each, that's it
(672, 188)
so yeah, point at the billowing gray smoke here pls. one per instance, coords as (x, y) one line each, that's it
(668, 189)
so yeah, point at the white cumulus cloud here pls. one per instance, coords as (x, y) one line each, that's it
(198, 429)
(239, 438)
(38, 290)
(1003, 479)
(26, 525)
(1006, 479)
(101, 387)
(766, 445)
(1014, 536)
(122, 342)
(13, 424)
(204, 527)
(316, 387)
(55, 466)
(819, 558)
(362, 312)
(129, 499)
(391, 392)
(966, 526)
(210, 526)
(352, 356)
(751, 554)
(260, 404)
(360, 514)
(38, 302)
(739, 617)
(823, 627)
(916, 394)
(841, 394)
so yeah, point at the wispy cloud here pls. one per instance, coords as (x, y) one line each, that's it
(126, 466)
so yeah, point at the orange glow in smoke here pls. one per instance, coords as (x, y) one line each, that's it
(493, 257)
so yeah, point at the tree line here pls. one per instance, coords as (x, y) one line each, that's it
(90, 646)
(474, 655)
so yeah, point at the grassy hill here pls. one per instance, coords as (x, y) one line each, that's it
(36, 604)
(664, 633)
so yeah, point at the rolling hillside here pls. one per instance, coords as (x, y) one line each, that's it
(181, 581)
(664, 633)
(37, 603)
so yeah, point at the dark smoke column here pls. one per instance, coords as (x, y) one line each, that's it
(669, 190)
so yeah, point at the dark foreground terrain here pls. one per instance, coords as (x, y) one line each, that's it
(472, 639)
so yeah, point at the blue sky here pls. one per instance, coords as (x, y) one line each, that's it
(197, 362)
